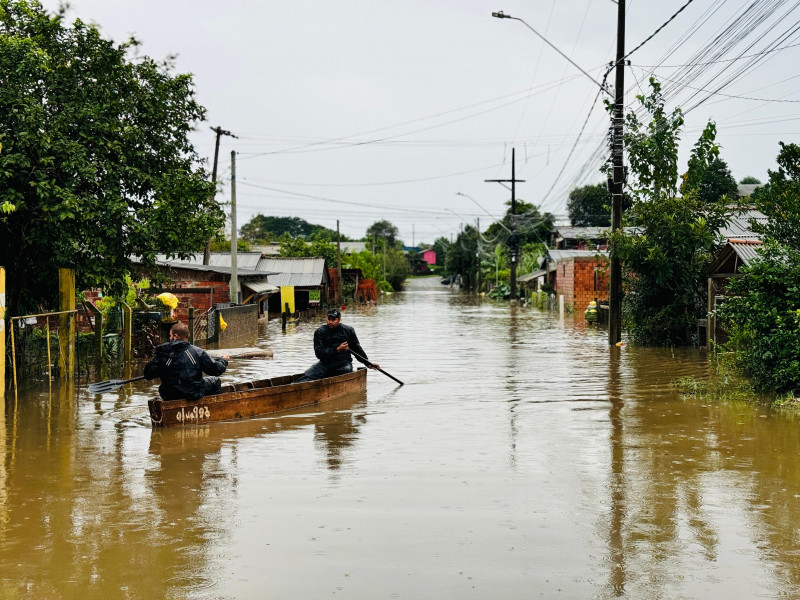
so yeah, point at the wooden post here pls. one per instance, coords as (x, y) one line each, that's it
(127, 332)
(191, 324)
(98, 330)
(66, 330)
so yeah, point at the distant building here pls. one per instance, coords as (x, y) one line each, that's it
(429, 256)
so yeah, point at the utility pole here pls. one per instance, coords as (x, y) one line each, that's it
(234, 291)
(220, 132)
(513, 241)
(338, 264)
(618, 176)
(478, 257)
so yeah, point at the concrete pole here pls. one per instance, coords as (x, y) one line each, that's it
(338, 264)
(234, 290)
(615, 283)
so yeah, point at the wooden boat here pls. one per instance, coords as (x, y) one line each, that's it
(254, 399)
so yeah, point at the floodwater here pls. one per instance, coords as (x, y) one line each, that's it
(524, 458)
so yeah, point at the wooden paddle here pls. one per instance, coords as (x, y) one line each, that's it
(101, 387)
(370, 364)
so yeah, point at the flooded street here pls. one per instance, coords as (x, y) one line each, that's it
(523, 458)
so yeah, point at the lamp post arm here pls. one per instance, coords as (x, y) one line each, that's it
(501, 15)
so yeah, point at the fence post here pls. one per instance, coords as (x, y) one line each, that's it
(191, 324)
(127, 332)
(98, 328)
(66, 330)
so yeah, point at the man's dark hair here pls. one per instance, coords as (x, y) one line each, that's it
(181, 330)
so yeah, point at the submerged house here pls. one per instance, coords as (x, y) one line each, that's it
(307, 276)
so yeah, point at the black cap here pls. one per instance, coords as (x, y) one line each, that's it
(334, 312)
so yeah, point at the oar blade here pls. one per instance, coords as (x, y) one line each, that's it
(102, 387)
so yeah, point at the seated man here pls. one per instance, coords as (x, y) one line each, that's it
(180, 366)
(332, 344)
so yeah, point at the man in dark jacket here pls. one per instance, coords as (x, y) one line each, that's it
(332, 344)
(180, 366)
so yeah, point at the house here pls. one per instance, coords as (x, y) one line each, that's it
(579, 238)
(429, 256)
(203, 286)
(740, 248)
(726, 266)
(580, 276)
(307, 276)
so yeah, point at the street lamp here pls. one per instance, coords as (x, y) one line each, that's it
(501, 15)
(615, 279)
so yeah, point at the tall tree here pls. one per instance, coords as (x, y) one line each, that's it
(761, 312)
(96, 164)
(749, 179)
(717, 182)
(383, 230)
(663, 263)
(590, 206)
(265, 229)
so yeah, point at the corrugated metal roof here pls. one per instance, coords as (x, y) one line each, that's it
(531, 276)
(195, 265)
(261, 286)
(244, 260)
(576, 233)
(299, 272)
(746, 251)
(739, 225)
(745, 189)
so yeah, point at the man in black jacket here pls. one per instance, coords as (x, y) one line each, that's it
(180, 366)
(332, 344)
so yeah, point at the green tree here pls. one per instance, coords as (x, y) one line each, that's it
(590, 206)
(779, 200)
(397, 269)
(440, 246)
(383, 230)
(717, 182)
(96, 164)
(264, 229)
(462, 257)
(653, 147)
(296, 247)
(762, 314)
(749, 179)
(664, 262)
(763, 320)
(705, 151)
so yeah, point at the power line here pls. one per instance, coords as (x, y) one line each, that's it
(652, 35)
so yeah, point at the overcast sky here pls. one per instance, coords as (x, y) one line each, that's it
(361, 110)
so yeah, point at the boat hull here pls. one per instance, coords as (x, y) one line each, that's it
(254, 399)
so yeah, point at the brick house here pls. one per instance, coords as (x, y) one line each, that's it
(579, 275)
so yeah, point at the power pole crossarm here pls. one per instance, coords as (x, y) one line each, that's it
(513, 245)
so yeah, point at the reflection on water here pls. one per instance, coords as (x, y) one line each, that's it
(523, 457)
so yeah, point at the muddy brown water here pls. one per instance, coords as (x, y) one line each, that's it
(523, 459)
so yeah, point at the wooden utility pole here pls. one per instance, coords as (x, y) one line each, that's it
(234, 236)
(618, 176)
(513, 241)
(220, 132)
